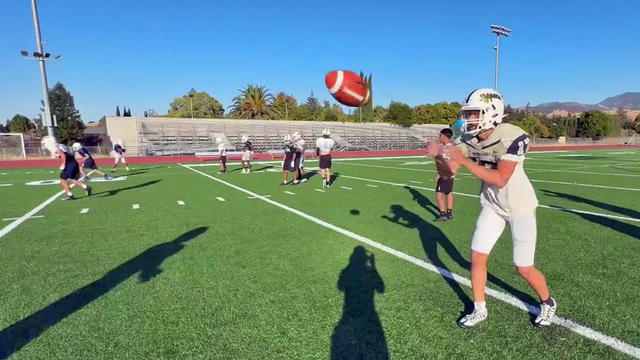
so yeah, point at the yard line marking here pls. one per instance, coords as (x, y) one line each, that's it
(582, 172)
(589, 333)
(551, 207)
(135, 206)
(254, 197)
(180, 202)
(316, 160)
(415, 182)
(346, 188)
(220, 198)
(320, 190)
(32, 217)
(371, 185)
(459, 176)
(7, 229)
(6, 184)
(587, 185)
(84, 211)
(289, 192)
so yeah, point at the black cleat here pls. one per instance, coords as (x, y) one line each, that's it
(68, 197)
(442, 217)
(88, 190)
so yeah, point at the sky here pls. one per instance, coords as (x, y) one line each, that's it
(142, 54)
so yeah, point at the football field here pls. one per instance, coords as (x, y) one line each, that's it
(179, 261)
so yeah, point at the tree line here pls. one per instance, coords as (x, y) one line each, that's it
(257, 102)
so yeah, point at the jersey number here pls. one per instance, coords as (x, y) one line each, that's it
(523, 146)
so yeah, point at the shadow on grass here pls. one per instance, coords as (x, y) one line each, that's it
(359, 333)
(147, 264)
(617, 225)
(116, 191)
(432, 238)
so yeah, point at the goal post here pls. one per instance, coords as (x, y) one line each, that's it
(12, 146)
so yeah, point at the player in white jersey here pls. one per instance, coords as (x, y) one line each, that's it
(324, 145)
(298, 158)
(495, 153)
(223, 156)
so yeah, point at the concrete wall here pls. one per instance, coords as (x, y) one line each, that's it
(123, 128)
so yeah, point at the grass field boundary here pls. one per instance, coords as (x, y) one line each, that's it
(582, 330)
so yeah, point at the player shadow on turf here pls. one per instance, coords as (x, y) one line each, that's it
(116, 191)
(147, 265)
(424, 202)
(431, 236)
(359, 333)
(617, 225)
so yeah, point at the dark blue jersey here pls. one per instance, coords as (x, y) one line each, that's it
(85, 153)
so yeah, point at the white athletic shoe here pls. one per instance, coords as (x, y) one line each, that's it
(303, 180)
(545, 317)
(473, 319)
(324, 183)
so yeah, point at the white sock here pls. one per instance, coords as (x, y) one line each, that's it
(84, 186)
(480, 306)
(69, 193)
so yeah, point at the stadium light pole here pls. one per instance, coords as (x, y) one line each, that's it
(499, 31)
(191, 103)
(41, 57)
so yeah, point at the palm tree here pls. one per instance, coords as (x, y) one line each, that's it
(254, 102)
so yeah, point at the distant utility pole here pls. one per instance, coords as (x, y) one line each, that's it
(41, 57)
(499, 31)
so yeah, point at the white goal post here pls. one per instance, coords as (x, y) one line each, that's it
(12, 146)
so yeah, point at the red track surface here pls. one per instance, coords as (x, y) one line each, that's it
(196, 159)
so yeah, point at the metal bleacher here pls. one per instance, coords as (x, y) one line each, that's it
(167, 136)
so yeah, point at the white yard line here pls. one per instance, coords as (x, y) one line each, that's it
(477, 196)
(253, 197)
(460, 176)
(3, 185)
(220, 198)
(507, 298)
(33, 217)
(319, 190)
(7, 229)
(289, 192)
(346, 188)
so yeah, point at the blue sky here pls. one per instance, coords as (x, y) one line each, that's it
(144, 53)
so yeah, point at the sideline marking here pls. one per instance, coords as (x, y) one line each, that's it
(507, 298)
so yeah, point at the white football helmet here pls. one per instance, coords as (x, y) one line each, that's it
(76, 146)
(296, 136)
(482, 110)
(287, 139)
(64, 148)
(244, 138)
(326, 132)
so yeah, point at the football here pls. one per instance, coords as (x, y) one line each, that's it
(347, 87)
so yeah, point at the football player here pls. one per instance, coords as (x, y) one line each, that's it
(247, 151)
(69, 168)
(87, 162)
(298, 158)
(118, 155)
(494, 152)
(444, 178)
(324, 145)
(287, 161)
(223, 156)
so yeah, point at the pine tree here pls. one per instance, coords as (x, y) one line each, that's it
(117, 110)
(70, 126)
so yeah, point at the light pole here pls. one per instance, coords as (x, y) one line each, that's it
(41, 56)
(499, 31)
(191, 103)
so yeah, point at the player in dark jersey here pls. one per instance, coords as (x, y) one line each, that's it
(288, 159)
(69, 168)
(86, 161)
